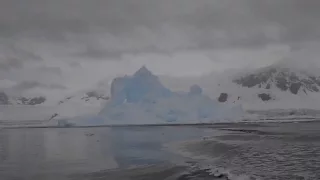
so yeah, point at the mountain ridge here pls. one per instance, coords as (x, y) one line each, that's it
(21, 100)
(283, 78)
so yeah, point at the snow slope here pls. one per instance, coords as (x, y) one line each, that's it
(142, 99)
(78, 104)
(287, 88)
(284, 85)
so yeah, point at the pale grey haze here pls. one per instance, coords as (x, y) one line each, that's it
(60, 46)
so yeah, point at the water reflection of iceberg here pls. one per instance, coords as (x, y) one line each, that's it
(65, 148)
(33, 151)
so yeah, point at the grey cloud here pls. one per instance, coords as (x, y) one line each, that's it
(96, 52)
(100, 52)
(49, 70)
(44, 76)
(298, 18)
(26, 85)
(110, 27)
(12, 56)
(9, 63)
(74, 64)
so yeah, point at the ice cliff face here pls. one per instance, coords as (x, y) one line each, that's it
(142, 99)
(143, 84)
(195, 90)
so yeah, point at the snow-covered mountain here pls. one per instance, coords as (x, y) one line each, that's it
(282, 78)
(286, 85)
(278, 86)
(21, 100)
(90, 97)
(78, 104)
(29, 109)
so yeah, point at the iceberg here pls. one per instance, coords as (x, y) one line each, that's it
(142, 99)
(136, 88)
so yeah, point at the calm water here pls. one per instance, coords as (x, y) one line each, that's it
(273, 151)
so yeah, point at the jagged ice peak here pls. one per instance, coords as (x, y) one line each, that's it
(143, 71)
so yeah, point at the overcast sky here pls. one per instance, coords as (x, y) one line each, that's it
(69, 45)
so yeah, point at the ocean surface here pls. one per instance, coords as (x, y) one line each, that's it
(267, 151)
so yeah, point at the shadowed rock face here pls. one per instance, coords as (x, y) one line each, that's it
(264, 96)
(4, 100)
(96, 95)
(31, 101)
(223, 97)
(252, 80)
(281, 78)
(86, 97)
(294, 88)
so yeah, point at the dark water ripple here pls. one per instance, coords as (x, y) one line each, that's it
(282, 153)
(266, 152)
(277, 159)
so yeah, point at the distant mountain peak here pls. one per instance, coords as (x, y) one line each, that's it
(281, 77)
(4, 99)
(21, 100)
